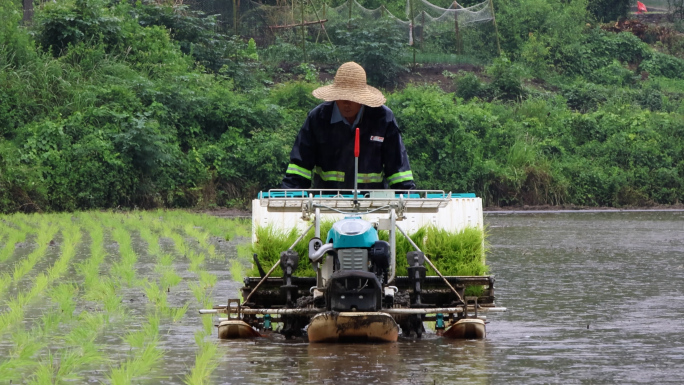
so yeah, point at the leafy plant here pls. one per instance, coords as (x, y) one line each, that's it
(506, 79)
(378, 48)
(69, 23)
(468, 85)
(609, 10)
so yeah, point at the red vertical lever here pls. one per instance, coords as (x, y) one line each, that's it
(356, 143)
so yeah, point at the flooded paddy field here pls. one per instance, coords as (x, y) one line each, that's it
(592, 297)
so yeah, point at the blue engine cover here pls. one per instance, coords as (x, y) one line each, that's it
(352, 232)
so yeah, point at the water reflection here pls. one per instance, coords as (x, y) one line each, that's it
(417, 362)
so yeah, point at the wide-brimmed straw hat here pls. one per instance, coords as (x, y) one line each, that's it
(350, 84)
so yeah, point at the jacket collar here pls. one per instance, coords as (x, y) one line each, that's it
(337, 116)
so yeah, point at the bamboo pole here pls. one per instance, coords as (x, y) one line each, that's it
(496, 29)
(458, 32)
(422, 30)
(413, 25)
(234, 17)
(303, 30)
(322, 22)
(296, 25)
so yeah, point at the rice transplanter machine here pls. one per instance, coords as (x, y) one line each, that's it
(356, 294)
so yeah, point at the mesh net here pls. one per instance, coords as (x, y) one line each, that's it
(430, 28)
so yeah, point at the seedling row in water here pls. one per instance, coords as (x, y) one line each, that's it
(59, 324)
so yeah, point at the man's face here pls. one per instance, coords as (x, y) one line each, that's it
(348, 109)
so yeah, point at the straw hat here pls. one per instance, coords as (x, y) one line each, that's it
(350, 84)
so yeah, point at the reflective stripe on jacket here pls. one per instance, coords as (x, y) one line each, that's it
(323, 153)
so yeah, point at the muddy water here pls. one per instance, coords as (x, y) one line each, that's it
(592, 298)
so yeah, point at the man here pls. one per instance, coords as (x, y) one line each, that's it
(323, 153)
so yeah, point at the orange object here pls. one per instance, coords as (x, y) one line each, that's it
(356, 143)
(641, 7)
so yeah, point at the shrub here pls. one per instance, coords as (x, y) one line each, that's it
(441, 150)
(378, 48)
(69, 23)
(598, 49)
(613, 74)
(468, 85)
(609, 10)
(556, 23)
(660, 64)
(651, 97)
(295, 96)
(193, 30)
(282, 52)
(584, 96)
(506, 79)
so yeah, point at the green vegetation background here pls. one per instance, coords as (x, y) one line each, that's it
(112, 104)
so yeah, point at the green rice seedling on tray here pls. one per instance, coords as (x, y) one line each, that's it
(453, 253)
(271, 242)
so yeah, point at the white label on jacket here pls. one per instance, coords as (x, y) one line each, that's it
(377, 139)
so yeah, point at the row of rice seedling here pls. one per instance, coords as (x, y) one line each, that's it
(217, 227)
(80, 351)
(206, 281)
(46, 233)
(21, 359)
(202, 238)
(125, 267)
(168, 277)
(11, 235)
(145, 352)
(10, 238)
(15, 313)
(63, 342)
(68, 355)
(99, 288)
(207, 351)
(77, 350)
(230, 229)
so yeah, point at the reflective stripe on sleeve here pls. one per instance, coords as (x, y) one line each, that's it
(400, 177)
(369, 178)
(294, 169)
(328, 176)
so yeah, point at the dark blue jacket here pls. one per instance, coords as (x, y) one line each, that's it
(323, 153)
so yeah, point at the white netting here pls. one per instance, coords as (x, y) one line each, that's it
(422, 21)
(344, 13)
